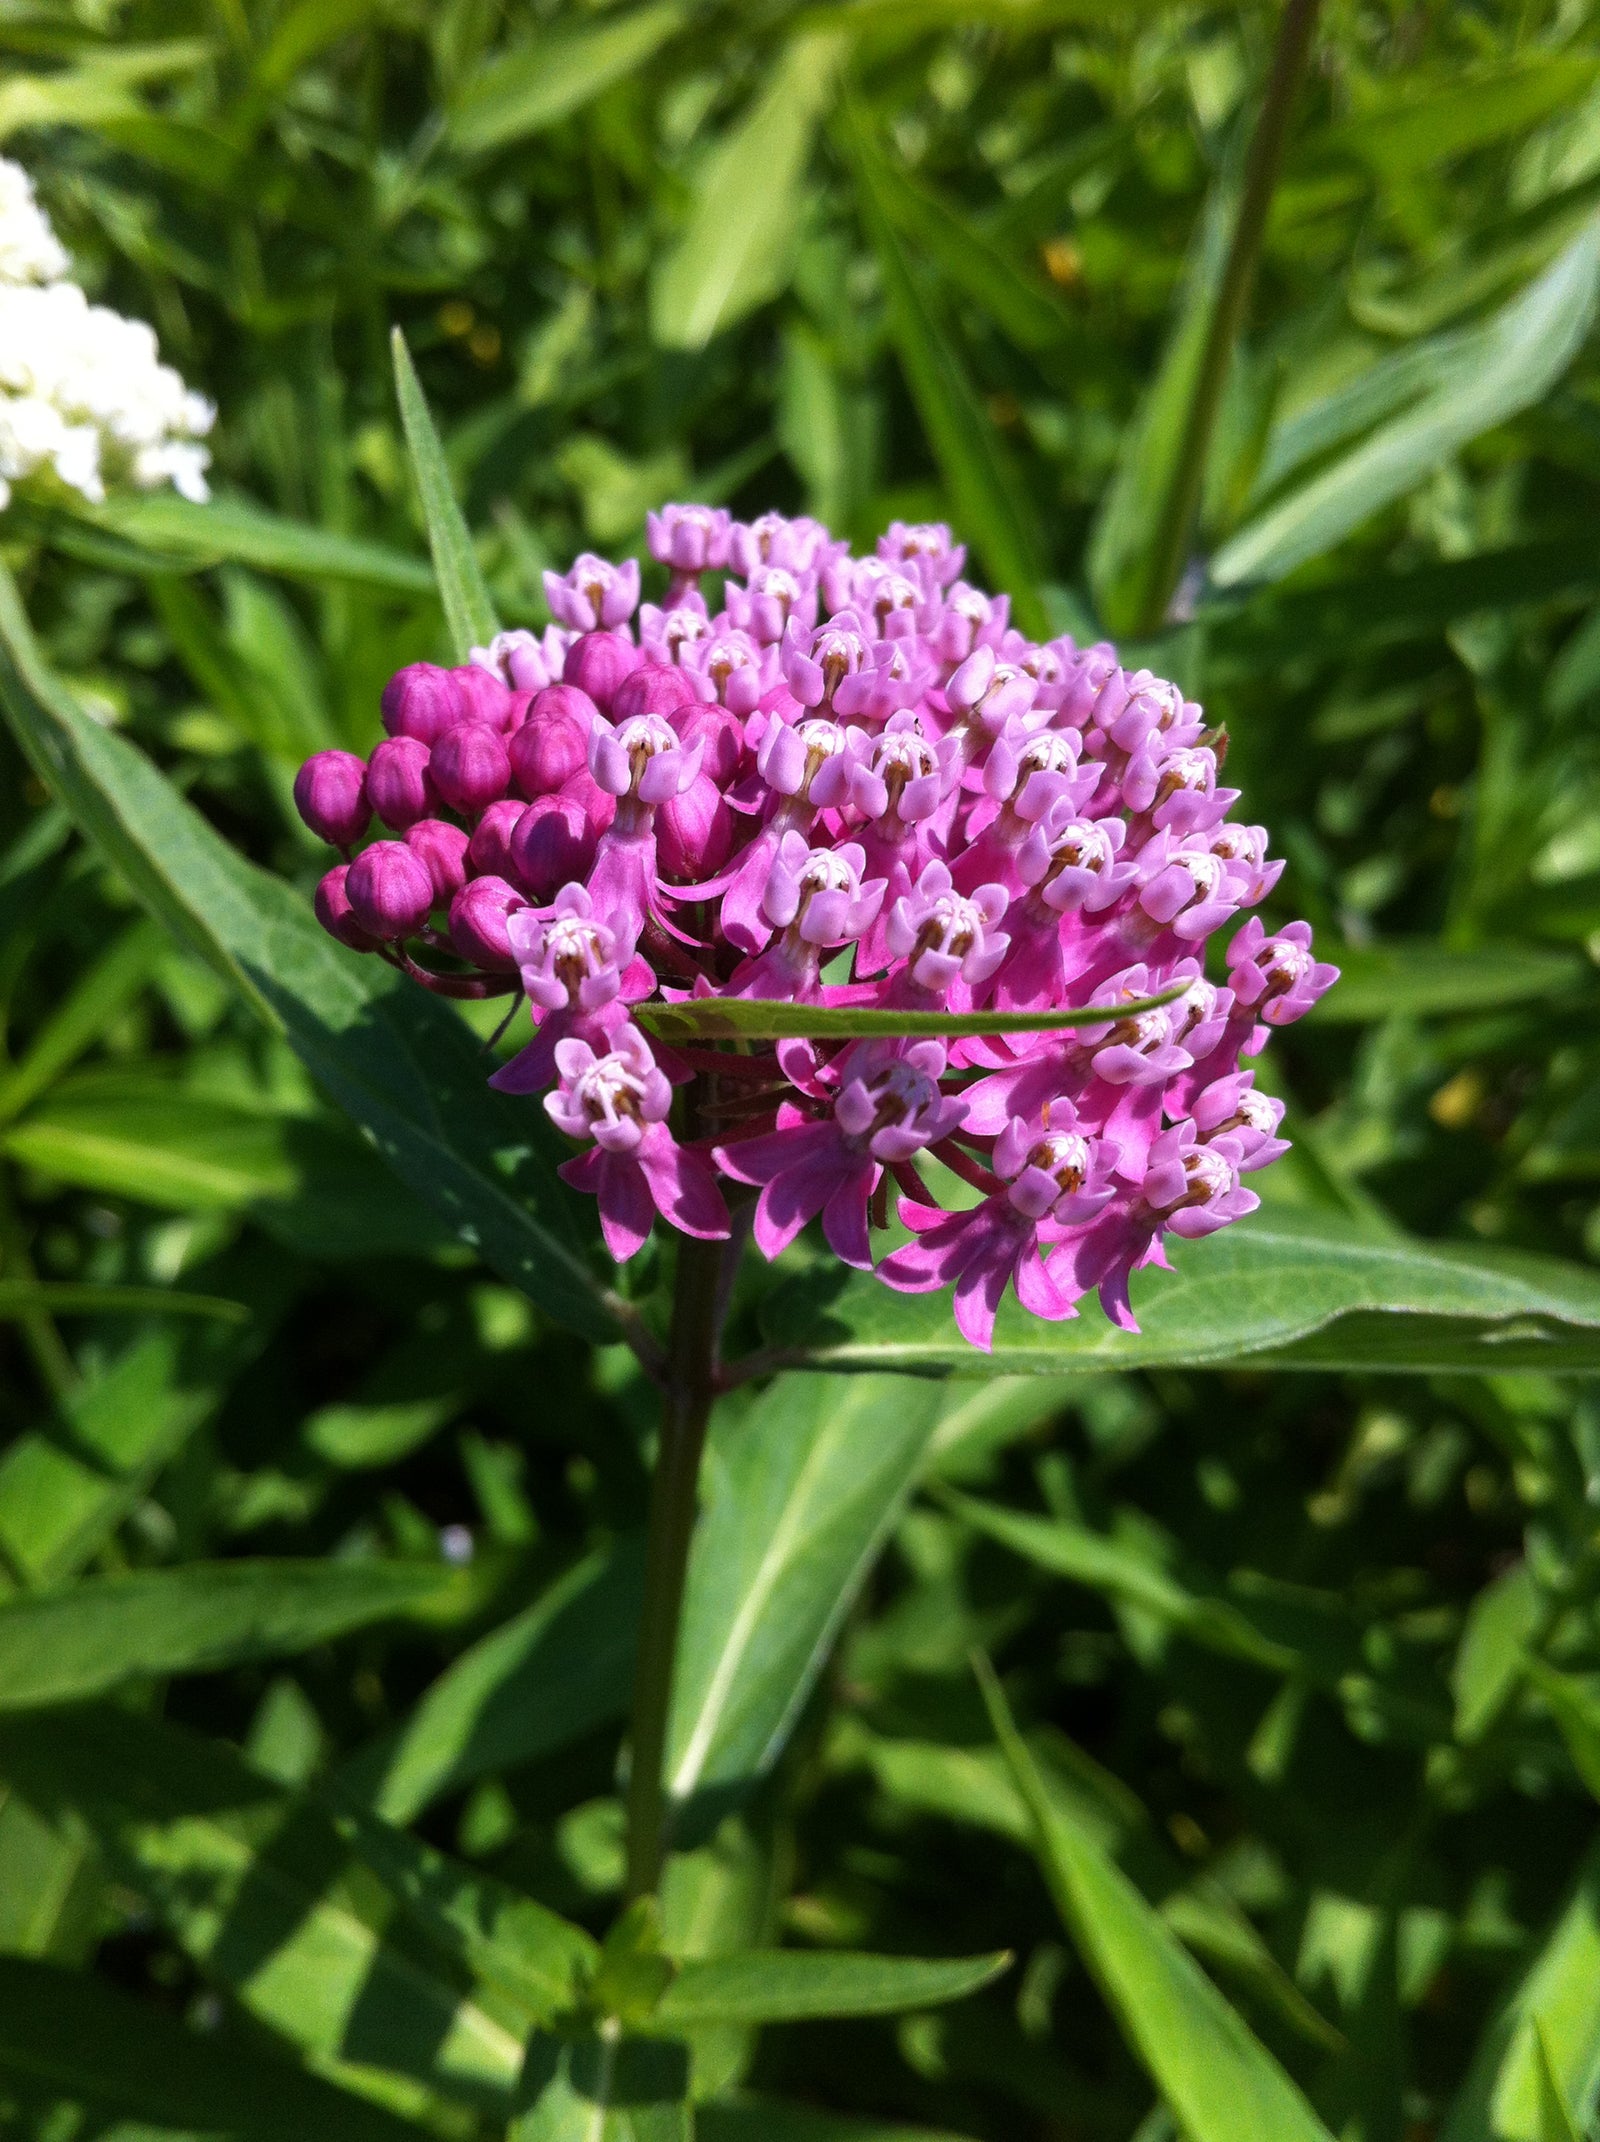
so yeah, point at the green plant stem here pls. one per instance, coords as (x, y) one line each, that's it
(689, 1387)
(1181, 509)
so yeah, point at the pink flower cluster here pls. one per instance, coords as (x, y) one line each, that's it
(853, 784)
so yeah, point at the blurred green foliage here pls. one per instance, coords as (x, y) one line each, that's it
(317, 1619)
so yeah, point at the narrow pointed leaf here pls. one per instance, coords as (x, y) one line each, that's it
(1556, 2123)
(736, 249)
(531, 86)
(62, 1297)
(240, 532)
(61, 1646)
(467, 608)
(794, 1985)
(1512, 363)
(777, 1019)
(1218, 2079)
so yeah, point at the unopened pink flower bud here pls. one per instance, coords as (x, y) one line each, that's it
(330, 793)
(597, 663)
(332, 904)
(553, 845)
(694, 832)
(490, 853)
(470, 767)
(482, 697)
(653, 688)
(397, 782)
(421, 701)
(441, 848)
(553, 743)
(478, 923)
(389, 889)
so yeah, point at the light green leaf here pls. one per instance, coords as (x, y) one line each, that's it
(987, 497)
(1489, 1658)
(467, 609)
(238, 531)
(776, 1019)
(1504, 368)
(1556, 2123)
(1417, 127)
(554, 1672)
(73, 2037)
(60, 1646)
(403, 1066)
(1218, 2079)
(1308, 1291)
(1557, 1999)
(735, 250)
(531, 86)
(604, 2087)
(356, 1436)
(1427, 980)
(798, 1495)
(167, 1149)
(794, 1985)
(1576, 1713)
(268, 1898)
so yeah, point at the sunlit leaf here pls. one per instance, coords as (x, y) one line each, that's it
(467, 608)
(791, 1985)
(763, 1019)
(531, 86)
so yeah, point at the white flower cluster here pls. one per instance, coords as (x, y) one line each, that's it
(84, 395)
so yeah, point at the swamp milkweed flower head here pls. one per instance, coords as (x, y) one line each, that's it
(854, 786)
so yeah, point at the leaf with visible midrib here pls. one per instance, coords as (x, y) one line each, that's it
(1219, 2080)
(1292, 1291)
(61, 1646)
(468, 611)
(778, 1019)
(793, 1985)
(403, 1066)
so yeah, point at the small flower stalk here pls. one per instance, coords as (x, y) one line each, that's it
(854, 784)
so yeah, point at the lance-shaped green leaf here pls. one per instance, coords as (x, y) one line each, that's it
(1218, 2079)
(21, 1298)
(1558, 1999)
(795, 1985)
(237, 531)
(374, 1962)
(798, 1496)
(552, 1673)
(61, 1646)
(403, 1066)
(531, 86)
(1280, 1290)
(1502, 369)
(989, 501)
(70, 2037)
(467, 609)
(778, 1019)
(736, 249)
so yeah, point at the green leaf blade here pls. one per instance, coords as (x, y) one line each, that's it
(468, 611)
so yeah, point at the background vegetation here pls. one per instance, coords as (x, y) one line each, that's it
(1294, 1599)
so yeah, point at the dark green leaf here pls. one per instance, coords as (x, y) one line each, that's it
(64, 1297)
(1423, 980)
(1274, 1290)
(58, 1647)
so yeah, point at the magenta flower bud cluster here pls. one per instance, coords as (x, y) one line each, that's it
(855, 784)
